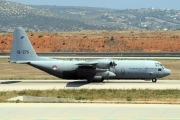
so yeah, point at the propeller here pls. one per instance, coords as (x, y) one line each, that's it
(113, 64)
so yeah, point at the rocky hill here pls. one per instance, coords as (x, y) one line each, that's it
(34, 19)
(58, 18)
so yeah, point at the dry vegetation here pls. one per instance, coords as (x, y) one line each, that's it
(111, 95)
(100, 41)
(173, 65)
(11, 71)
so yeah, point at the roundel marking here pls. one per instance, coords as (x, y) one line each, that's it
(54, 67)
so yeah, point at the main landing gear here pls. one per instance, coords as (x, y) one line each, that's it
(154, 80)
(91, 80)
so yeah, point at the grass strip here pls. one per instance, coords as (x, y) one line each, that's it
(169, 95)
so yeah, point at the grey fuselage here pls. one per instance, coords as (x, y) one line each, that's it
(125, 69)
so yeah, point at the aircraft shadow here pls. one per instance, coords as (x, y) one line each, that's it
(126, 82)
(81, 83)
(76, 83)
(9, 82)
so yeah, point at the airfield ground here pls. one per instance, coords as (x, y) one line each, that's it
(69, 111)
(147, 96)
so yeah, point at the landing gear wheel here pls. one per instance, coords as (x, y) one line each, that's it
(89, 80)
(102, 80)
(154, 80)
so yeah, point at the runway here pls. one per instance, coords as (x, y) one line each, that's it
(106, 54)
(9, 85)
(71, 111)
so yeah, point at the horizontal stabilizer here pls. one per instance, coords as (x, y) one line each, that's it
(22, 62)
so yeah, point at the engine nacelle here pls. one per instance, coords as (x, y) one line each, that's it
(102, 65)
(100, 76)
(106, 64)
(96, 78)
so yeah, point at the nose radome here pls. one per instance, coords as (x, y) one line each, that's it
(167, 72)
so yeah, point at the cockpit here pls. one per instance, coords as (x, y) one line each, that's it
(159, 66)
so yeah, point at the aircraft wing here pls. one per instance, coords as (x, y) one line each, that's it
(88, 64)
(101, 63)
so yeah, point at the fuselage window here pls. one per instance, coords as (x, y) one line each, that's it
(159, 69)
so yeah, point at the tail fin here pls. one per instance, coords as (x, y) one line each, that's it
(22, 50)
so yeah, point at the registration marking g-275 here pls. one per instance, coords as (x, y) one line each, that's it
(23, 51)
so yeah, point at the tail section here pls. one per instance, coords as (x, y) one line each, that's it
(22, 51)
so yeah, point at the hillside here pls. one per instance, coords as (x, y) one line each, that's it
(58, 18)
(100, 41)
(32, 19)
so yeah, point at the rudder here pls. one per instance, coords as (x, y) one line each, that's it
(22, 50)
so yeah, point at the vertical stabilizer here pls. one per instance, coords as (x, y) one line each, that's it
(22, 50)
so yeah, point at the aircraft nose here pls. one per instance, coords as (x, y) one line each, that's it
(167, 72)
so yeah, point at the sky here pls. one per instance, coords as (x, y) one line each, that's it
(114, 4)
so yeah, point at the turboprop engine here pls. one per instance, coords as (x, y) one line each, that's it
(106, 64)
(100, 76)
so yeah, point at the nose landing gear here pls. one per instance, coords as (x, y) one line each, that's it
(154, 80)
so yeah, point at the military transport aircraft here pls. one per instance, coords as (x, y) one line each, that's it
(93, 70)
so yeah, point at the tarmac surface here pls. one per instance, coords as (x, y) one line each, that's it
(90, 111)
(73, 111)
(9, 85)
(108, 54)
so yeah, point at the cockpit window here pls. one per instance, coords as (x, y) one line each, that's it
(159, 65)
(162, 66)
